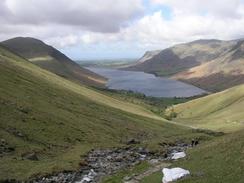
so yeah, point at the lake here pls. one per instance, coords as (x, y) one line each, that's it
(147, 84)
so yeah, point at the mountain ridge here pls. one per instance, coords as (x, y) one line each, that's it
(47, 57)
(180, 61)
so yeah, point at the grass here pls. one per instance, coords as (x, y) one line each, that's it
(52, 60)
(118, 177)
(154, 178)
(220, 160)
(61, 121)
(222, 111)
(154, 104)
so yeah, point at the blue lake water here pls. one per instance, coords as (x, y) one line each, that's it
(147, 84)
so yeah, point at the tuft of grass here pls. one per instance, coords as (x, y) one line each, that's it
(118, 177)
(153, 178)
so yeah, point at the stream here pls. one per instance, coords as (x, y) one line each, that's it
(104, 162)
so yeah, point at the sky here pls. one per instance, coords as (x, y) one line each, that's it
(114, 29)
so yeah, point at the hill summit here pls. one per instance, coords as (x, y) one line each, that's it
(47, 57)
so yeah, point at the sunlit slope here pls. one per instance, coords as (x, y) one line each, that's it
(220, 111)
(218, 74)
(180, 57)
(51, 59)
(82, 90)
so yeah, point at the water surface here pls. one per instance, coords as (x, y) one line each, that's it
(147, 84)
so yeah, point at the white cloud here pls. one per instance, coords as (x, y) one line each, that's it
(67, 23)
(155, 30)
(92, 15)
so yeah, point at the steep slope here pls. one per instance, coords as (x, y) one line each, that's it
(181, 57)
(221, 111)
(221, 73)
(51, 59)
(212, 65)
(59, 121)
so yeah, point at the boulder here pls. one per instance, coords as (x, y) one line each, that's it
(173, 174)
(30, 156)
(178, 155)
(133, 141)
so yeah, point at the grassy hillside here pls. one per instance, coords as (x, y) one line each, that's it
(155, 104)
(222, 111)
(59, 121)
(181, 57)
(51, 59)
(212, 65)
(221, 73)
(220, 160)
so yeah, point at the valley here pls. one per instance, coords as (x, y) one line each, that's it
(58, 128)
(57, 121)
(121, 91)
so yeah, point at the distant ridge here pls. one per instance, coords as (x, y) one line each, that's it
(210, 64)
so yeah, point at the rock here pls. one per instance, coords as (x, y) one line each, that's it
(142, 150)
(127, 178)
(3, 141)
(103, 162)
(173, 174)
(10, 149)
(30, 156)
(83, 163)
(19, 134)
(178, 155)
(132, 141)
(153, 161)
(194, 142)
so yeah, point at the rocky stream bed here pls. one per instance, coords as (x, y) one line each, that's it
(104, 162)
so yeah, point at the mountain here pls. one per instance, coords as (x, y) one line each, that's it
(221, 73)
(213, 65)
(53, 60)
(221, 111)
(57, 121)
(181, 57)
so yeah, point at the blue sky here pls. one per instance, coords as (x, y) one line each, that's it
(113, 29)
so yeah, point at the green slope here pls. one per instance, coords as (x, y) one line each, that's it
(51, 59)
(60, 120)
(221, 111)
(220, 160)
